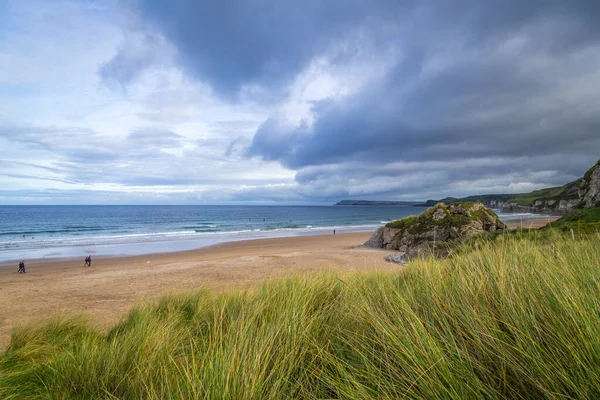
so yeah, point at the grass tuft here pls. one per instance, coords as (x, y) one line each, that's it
(512, 317)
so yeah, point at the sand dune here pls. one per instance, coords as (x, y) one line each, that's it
(108, 289)
(113, 285)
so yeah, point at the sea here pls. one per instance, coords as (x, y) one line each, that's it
(52, 232)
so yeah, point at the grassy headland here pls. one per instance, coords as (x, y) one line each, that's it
(581, 221)
(509, 318)
(544, 199)
(565, 192)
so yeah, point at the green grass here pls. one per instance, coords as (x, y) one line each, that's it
(510, 318)
(581, 221)
(402, 223)
(565, 192)
(425, 222)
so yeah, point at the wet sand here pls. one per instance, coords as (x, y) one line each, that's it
(108, 289)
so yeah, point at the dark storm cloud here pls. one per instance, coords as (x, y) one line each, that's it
(232, 43)
(366, 128)
(236, 42)
(496, 95)
(435, 179)
(487, 101)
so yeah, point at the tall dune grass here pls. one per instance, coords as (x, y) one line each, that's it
(512, 319)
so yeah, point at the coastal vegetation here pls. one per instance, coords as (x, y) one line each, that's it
(580, 221)
(568, 192)
(516, 317)
(455, 215)
(436, 231)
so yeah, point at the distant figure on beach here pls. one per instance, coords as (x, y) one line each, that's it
(22, 267)
(334, 231)
(88, 261)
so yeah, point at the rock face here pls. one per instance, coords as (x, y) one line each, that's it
(395, 258)
(435, 229)
(539, 206)
(589, 191)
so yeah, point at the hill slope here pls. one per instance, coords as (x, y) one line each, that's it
(581, 193)
(375, 203)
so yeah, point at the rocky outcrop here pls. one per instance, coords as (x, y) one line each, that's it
(432, 232)
(589, 190)
(539, 206)
(397, 258)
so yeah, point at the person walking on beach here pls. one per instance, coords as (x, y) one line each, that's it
(22, 267)
(88, 261)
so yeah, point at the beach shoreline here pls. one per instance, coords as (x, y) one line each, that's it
(113, 285)
(529, 222)
(107, 290)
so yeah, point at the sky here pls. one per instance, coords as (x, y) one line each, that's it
(287, 102)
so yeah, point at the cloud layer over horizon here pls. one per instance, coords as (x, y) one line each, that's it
(277, 102)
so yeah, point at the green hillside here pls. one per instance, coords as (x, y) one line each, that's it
(565, 192)
(581, 221)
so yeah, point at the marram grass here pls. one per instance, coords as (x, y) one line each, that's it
(513, 319)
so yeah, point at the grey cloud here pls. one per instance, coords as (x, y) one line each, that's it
(474, 95)
(367, 128)
(147, 156)
(82, 155)
(253, 195)
(235, 43)
(470, 80)
(464, 111)
(530, 107)
(25, 176)
(54, 196)
(6, 164)
(137, 52)
(154, 137)
(77, 144)
(236, 146)
(425, 180)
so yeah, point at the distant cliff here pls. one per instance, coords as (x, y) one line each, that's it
(581, 193)
(375, 203)
(589, 190)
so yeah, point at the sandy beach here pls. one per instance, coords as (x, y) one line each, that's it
(108, 289)
(530, 223)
